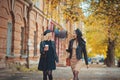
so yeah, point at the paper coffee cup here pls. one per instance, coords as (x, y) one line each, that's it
(47, 47)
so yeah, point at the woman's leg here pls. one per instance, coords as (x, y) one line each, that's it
(73, 75)
(50, 75)
(76, 75)
(73, 71)
(44, 75)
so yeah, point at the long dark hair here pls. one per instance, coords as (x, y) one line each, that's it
(79, 37)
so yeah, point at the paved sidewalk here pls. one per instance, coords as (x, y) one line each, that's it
(64, 73)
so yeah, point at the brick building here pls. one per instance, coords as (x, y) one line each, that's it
(21, 24)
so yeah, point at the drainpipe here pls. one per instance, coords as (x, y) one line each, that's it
(13, 25)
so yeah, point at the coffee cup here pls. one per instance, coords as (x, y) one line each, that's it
(46, 47)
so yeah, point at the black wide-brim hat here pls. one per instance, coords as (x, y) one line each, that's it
(78, 32)
(47, 31)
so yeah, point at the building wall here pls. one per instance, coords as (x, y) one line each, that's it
(5, 17)
(19, 23)
(25, 24)
(21, 32)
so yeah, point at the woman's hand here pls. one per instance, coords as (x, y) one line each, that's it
(45, 49)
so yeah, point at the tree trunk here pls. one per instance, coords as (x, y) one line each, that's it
(111, 53)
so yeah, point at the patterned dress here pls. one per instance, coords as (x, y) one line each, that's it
(75, 63)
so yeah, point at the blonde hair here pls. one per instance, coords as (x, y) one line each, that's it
(45, 37)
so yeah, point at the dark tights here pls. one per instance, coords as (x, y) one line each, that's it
(75, 74)
(47, 73)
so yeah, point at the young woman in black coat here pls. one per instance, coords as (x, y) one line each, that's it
(48, 56)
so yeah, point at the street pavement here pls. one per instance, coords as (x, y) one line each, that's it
(65, 73)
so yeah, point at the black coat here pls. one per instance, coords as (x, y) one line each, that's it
(81, 49)
(47, 59)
